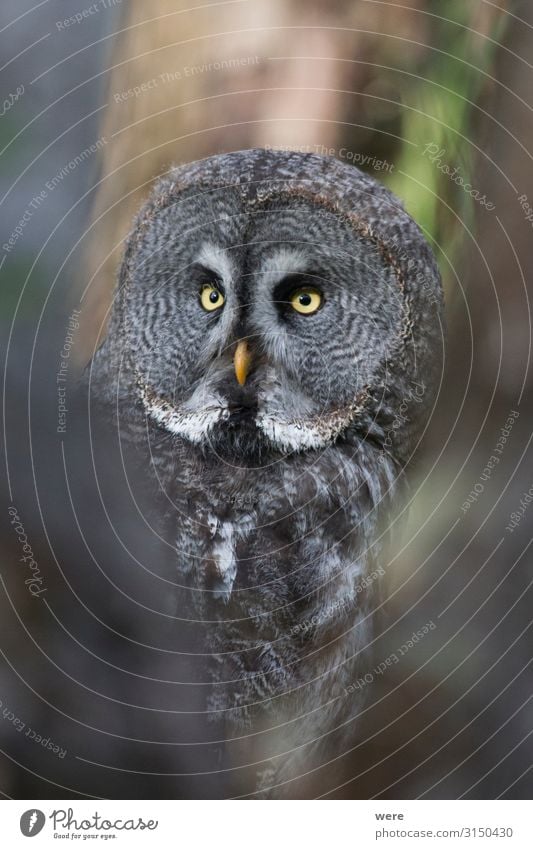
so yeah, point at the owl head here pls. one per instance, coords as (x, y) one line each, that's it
(275, 302)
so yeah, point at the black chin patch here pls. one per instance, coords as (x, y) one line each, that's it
(239, 440)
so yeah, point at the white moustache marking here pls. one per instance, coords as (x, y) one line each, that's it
(293, 436)
(301, 435)
(191, 425)
(195, 425)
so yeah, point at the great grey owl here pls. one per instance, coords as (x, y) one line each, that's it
(272, 359)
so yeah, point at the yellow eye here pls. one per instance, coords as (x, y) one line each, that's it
(211, 298)
(306, 301)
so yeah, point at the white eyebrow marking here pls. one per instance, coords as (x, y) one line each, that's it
(218, 260)
(284, 261)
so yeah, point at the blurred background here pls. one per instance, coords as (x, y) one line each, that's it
(435, 101)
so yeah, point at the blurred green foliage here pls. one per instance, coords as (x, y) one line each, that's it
(441, 106)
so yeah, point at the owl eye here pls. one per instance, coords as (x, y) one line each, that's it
(211, 298)
(306, 301)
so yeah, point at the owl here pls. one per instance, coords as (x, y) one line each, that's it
(272, 361)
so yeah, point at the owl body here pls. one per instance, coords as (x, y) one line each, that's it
(272, 356)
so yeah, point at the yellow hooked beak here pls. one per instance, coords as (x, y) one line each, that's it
(241, 361)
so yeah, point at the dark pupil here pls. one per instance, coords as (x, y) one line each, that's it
(214, 296)
(305, 300)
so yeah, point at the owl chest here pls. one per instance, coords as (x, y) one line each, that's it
(264, 564)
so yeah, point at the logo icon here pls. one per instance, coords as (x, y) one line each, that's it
(32, 822)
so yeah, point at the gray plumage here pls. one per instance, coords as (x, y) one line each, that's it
(278, 493)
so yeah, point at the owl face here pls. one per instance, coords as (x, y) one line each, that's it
(264, 326)
(274, 302)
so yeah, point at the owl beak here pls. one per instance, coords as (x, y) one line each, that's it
(241, 362)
